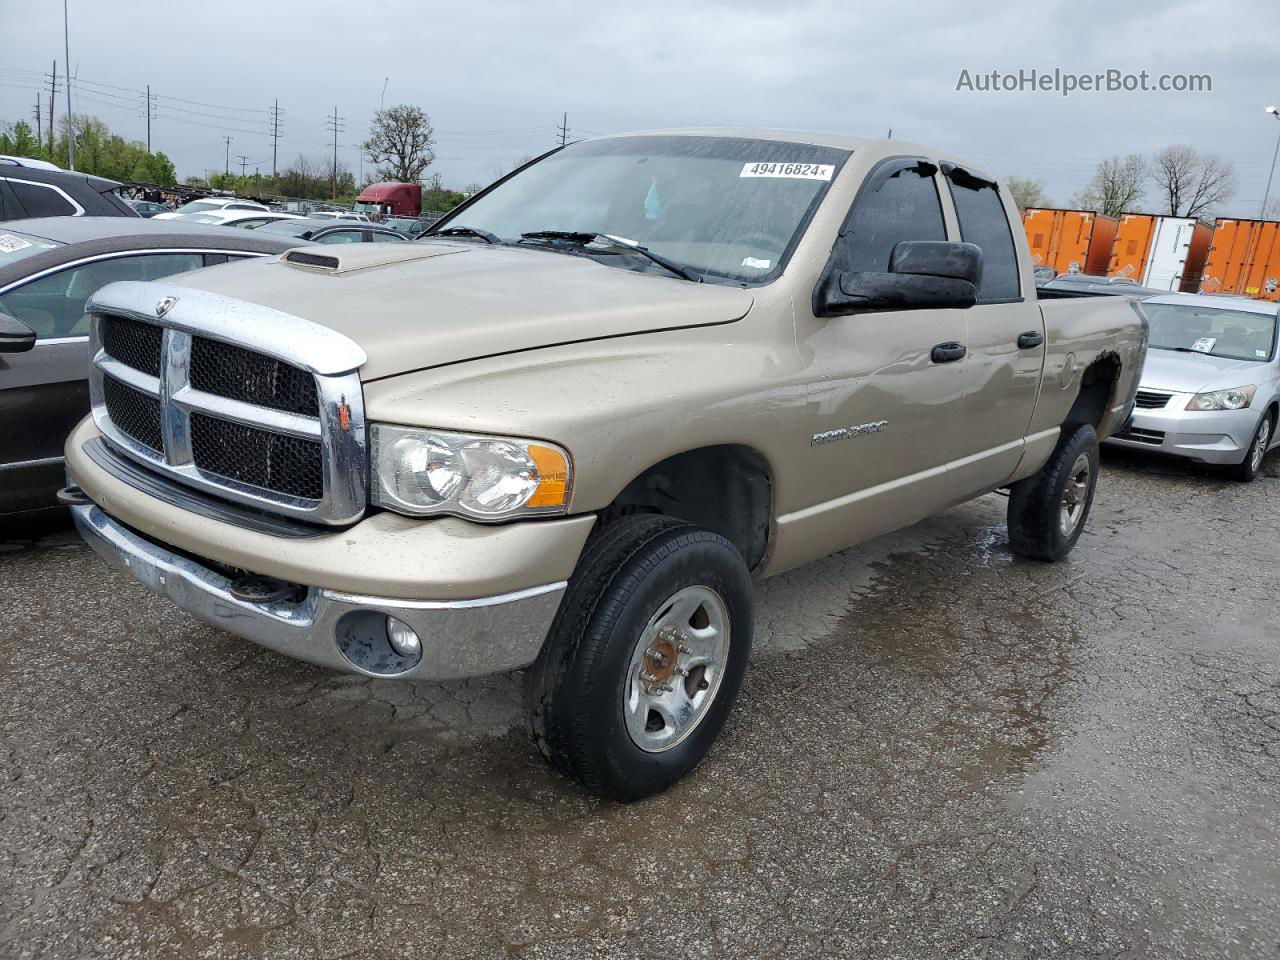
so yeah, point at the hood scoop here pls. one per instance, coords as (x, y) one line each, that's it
(361, 256)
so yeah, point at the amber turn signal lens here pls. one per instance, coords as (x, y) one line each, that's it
(553, 472)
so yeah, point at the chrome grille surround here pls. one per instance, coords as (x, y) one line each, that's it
(330, 357)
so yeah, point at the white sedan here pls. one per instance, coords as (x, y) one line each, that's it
(245, 219)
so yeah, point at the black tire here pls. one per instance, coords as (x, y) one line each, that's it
(1036, 504)
(1248, 468)
(574, 692)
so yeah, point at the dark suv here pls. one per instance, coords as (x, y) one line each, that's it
(35, 192)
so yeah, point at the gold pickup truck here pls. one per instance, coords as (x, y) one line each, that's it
(564, 430)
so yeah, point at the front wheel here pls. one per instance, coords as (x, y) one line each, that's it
(645, 658)
(1247, 469)
(1048, 509)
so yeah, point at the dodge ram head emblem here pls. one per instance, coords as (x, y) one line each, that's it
(165, 305)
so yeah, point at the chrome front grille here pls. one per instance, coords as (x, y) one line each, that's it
(230, 371)
(257, 457)
(1152, 399)
(134, 344)
(274, 419)
(135, 413)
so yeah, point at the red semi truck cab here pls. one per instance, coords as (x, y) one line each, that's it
(390, 200)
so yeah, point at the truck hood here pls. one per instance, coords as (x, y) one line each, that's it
(426, 304)
(1196, 372)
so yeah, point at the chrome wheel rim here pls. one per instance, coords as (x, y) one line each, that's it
(675, 669)
(1075, 495)
(1260, 444)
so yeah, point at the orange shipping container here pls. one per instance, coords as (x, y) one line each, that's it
(1244, 259)
(1070, 241)
(1167, 253)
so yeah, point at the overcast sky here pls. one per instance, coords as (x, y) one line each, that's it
(496, 77)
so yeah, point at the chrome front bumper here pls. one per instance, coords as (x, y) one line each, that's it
(459, 638)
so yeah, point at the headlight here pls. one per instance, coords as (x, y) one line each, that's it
(422, 472)
(1237, 398)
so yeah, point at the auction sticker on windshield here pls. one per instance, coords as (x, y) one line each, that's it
(789, 171)
(9, 243)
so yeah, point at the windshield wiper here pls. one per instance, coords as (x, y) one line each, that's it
(586, 236)
(484, 235)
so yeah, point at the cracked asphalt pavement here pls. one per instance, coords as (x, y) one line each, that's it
(941, 751)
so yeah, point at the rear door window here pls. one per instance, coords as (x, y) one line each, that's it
(342, 236)
(984, 222)
(43, 200)
(53, 305)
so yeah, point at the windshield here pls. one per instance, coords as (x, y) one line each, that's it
(1236, 334)
(15, 246)
(726, 208)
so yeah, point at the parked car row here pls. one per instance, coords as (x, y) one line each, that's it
(35, 188)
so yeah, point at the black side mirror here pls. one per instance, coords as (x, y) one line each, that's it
(923, 274)
(15, 336)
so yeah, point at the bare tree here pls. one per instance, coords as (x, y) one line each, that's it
(1116, 186)
(1028, 193)
(400, 141)
(1191, 183)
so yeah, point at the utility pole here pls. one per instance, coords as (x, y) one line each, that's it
(149, 101)
(53, 95)
(564, 129)
(71, 133)
(226, 167)
(244, 162)
(275, 136)
(39, 121)
(335, 124)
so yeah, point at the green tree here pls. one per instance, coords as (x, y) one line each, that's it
(155, 168)
(19, 140)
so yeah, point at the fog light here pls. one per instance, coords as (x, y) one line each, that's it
(403, 640)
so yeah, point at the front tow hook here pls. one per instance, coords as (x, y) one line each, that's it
(73, 496)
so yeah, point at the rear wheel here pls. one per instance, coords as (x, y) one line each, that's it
(1047, 511)
(645, 659)
(1247, 469)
